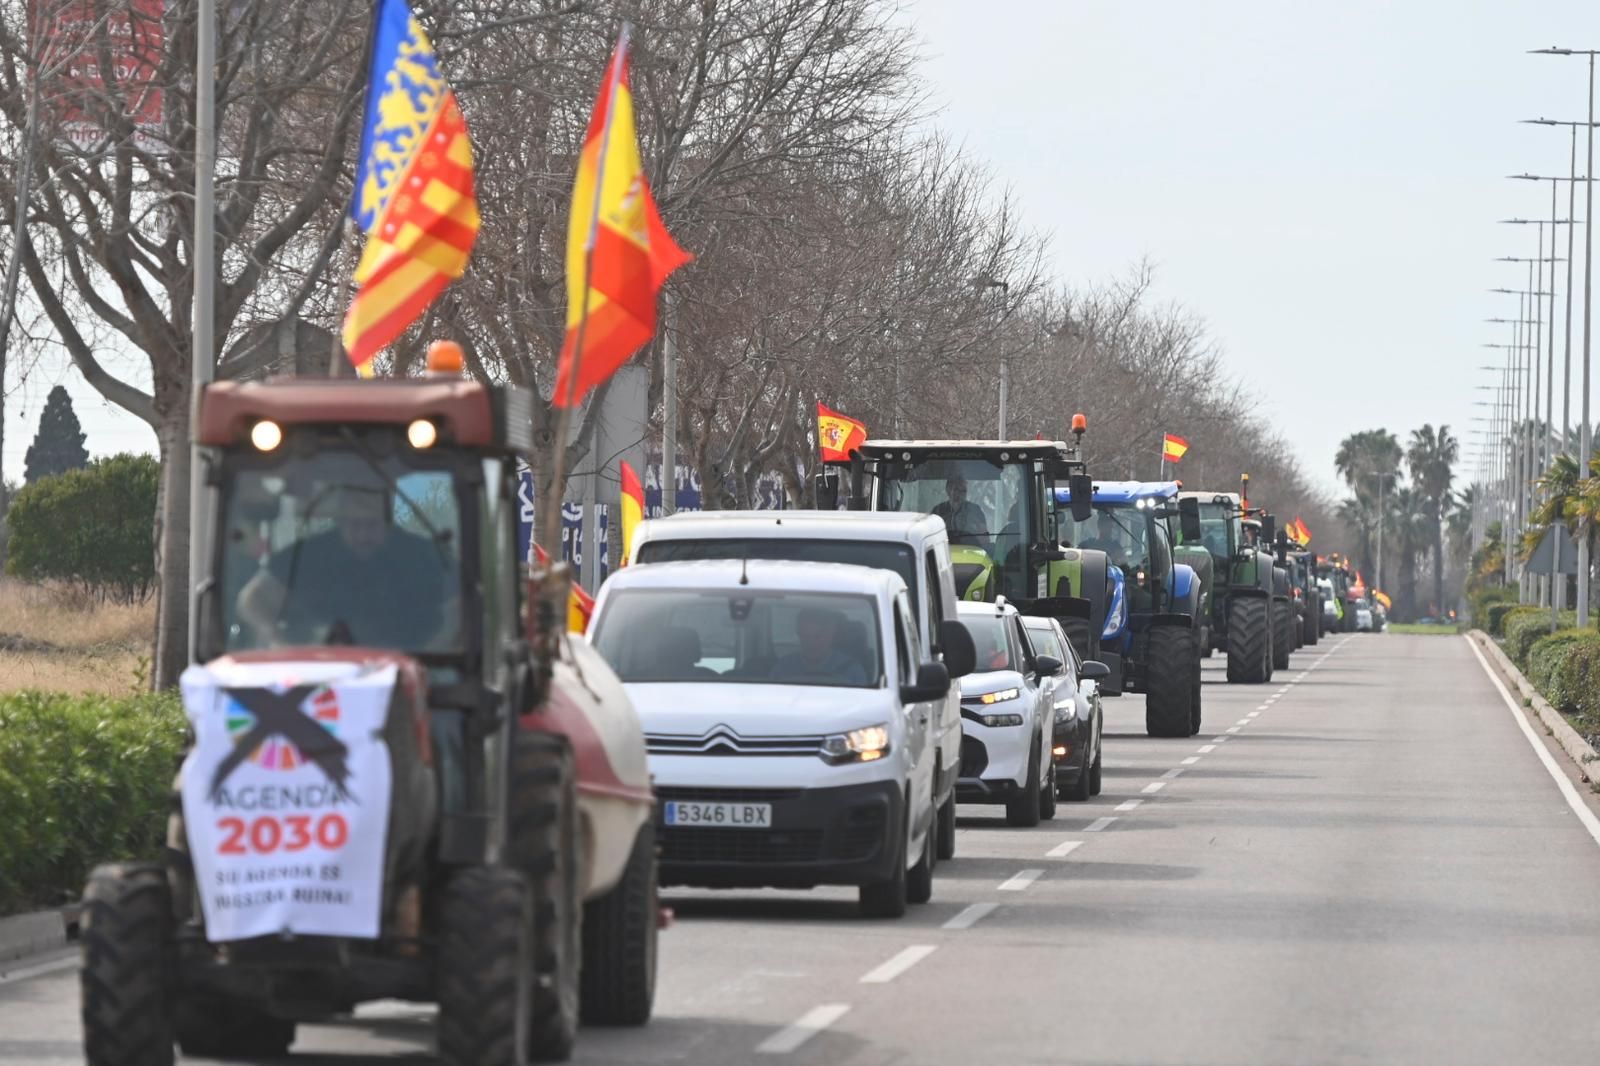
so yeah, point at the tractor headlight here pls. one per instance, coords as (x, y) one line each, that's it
(266, 435)
(867, 744)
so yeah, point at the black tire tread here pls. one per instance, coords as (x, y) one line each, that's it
(1282, 634)
(126, 975)
(1171, 660)
(544, 842)
(484, 915)
(618, 984)
(1249, 639)
(1022, 809)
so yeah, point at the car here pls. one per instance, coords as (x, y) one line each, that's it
(1007, 720)
(1332, 612)
(1078, 722)
(915, 546)
(789, 713)
(1363, 619)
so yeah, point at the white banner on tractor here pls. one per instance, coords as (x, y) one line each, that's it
(286, 797)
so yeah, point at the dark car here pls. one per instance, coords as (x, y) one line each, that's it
(1075, 698)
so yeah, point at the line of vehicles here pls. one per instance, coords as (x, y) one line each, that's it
(760, 699)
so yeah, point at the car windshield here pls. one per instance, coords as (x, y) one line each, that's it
(983, 506)
(748, 637)
(1118, 531)
(339, 546)
(880, 555)
(989, 636)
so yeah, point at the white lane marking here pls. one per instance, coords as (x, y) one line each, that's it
(1128, 805)
(1063, 849)
(974, 914)
(1098, 824)
(1218, 740)
(1022, 880)
(1568, 792)
(1231, 729)
(1252, 714)
(39, 969)
(1191, 760)
(1206, 749)
(1242, 721)
(899, 964)
(812, 1022)
(1154, 786)
(1176, 771)
(1263, 707)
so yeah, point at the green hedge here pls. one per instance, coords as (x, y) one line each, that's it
(1579, 676)
(1495, 617)
(1485, 598)
(1550, 667)
(83, 780)
(1527, 626)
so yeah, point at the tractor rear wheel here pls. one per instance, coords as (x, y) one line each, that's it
(127, 970)
(1170, 665)
(1314, 620)
(485, 968)
(1249, 639)
(1283, 634)
(1078, 632)
(544, 846)
(618, 982)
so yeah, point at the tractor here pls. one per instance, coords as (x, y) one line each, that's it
(1260, 530)
(997, 502)
(1302, 567)
(1242, 595)
(404, 779)
(1156, 650)
(1336, 568)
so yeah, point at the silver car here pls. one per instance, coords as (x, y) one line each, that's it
(1006, 717)
(1075, 701)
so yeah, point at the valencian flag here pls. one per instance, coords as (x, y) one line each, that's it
(414, 197)
(619, 252)
(632, 508)
(1173, 447)
(837, 434)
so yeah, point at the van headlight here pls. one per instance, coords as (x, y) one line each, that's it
(867, 744)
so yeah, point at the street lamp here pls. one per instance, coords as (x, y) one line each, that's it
(983, 283)
(1584, 443)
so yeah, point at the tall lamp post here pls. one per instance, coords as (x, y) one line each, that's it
(1584, 443)
(984, 283)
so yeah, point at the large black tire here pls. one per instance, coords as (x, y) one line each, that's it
(620, 930)
(1022, 809)
(544, 846)
(887, 898)
(127, 975)
(946, 847)
(1095, 774)
(1081, 789)
(1169, 682)
(485, 968)
(919, 879)
(1194, 711)
(1249, 639)
(215, 1028)
(1313, 619)
(1079, 633)
(1283, 634)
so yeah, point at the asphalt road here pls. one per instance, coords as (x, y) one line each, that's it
(1364, 861)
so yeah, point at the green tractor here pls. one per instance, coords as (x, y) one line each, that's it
(1302, 567)
(997, 499)
(1260, 530)
(1242, 593)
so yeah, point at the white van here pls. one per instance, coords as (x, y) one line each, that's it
(914, 546)
(788, 709)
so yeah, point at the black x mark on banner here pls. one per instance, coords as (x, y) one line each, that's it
(278, 714)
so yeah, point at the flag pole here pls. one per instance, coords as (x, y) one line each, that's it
(552, 522)
(339, 365)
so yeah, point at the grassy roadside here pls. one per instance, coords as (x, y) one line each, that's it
(53, 640)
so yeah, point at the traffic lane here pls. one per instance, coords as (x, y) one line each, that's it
(1360, 899)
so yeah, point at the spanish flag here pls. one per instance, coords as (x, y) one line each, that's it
(632, 508)
(414, 195)
(1173, 447)
(1302, 531)
(837, 434)
(619, 252)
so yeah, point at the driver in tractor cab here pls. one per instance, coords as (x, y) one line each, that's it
(1108, 538)
(362, 582)
(965, 520)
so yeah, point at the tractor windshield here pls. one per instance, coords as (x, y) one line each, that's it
(984, 506)
(349, 545)
(1118, 530)
(1218, 530)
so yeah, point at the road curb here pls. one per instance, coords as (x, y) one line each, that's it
(1580, 751)
(22, 935)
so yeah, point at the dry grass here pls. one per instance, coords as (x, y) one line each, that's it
(55, 640)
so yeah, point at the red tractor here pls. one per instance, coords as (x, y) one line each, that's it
(405, 779)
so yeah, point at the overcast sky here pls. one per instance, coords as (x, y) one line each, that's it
(1320, 182)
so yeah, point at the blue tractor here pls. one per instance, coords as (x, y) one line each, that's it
(1152, 635)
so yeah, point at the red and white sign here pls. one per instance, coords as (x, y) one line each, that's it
(286, 797)
(80, 100)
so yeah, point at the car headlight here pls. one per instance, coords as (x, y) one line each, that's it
(989, 698)
(993, 720)
(1066, 710)
(867, 744)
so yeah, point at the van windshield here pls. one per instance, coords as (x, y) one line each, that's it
(766, 637)
(877, 554)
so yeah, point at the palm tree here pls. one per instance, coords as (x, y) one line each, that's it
(1431, 458)
(1560, 487)
(1409, 530)
(1364, 455)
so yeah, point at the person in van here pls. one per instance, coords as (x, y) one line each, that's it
(819, 657)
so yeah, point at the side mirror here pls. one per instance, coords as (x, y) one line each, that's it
(1269, 530)
(932, 683)
(1048, 666)
(955, 644)
(1094, 670)
(1189, 520)
(1082, 488)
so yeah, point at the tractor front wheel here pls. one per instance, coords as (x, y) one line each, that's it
(1249, 640)
(127, 974)
(1282, 634)
(1170, 666)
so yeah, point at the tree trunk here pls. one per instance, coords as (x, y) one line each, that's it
(172, 551)
(1438, 568)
